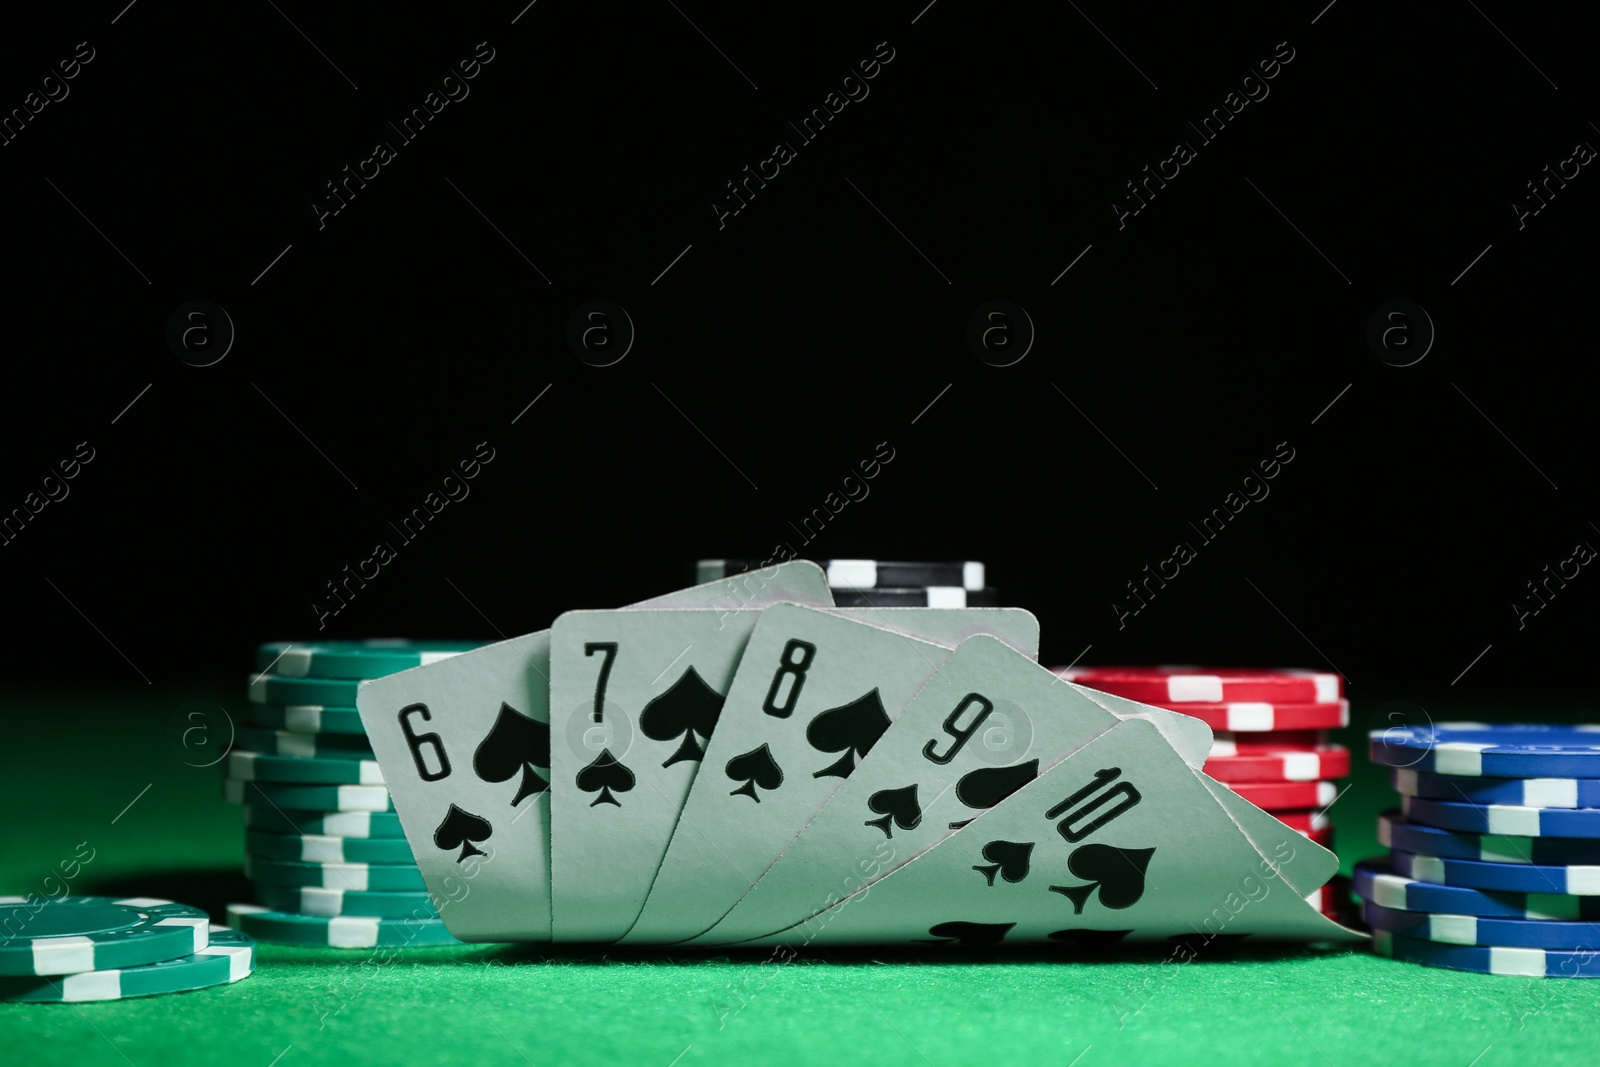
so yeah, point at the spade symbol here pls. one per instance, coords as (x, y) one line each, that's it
(1009, 859)
(460, 829)
(514, 743)
(851, 728)
(967, 934)
(988, 786)
(756, 767)
(1088, 939)
(897, 805)
(603, 776)
(689, 707)
(1117, 872)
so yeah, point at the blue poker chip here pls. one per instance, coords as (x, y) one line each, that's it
(1503, 750)
(1473, 930)
(1503, 818)
(1523, 792)
(1375, 883)
(1395, 832)
(1526, 962)
(1575, 880)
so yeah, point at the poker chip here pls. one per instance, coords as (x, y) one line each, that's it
(335, 823)
(1287, 796)
(1165, 686)
(1473, 930)
(1234, 743)
(338, 931)
(1305, 821)
(930, 596)
(357, 876)
(862, 573)
(1573, 880)
(308, 718)
(1375, 883)
(1282, 765)
(69, 935)
(1526, 962)
(278, 689)
(302, 745)
(325, 848)
(376, 904)
(1395, 832)
(327, 770)
(227, 956)
(1331, 899)
(1503, 818)
(353, 659)
(1520, 792)
(1261, 717)
(1495, 750)
(315, 797)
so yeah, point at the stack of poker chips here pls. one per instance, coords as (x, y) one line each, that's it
(879, 583)
(1494, 862)
(74, 949)
(1270, 742)
(323, 846)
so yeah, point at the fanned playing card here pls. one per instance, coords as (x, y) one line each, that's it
(465, 748)
(1120, 841)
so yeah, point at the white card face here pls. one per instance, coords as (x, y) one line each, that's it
(1118, 842)
(814, 692)
(465, 749)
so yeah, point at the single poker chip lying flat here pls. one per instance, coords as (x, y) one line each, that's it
(1574, 880)
(1282, 765)
(279, 689)
(324, 770)
(1165, 686)
(1395, 831)
(1236, 743)
(1493, 750)
(1375, 882)
(67, 935)
(1473, 930)
(928, 596)
(338, 931)
(1518, 792)
(1526, 962)
(325, 848)
(314, 797)
(358, 876)
(228, 956)
(353, 659)
(308, 718)
(862, 573)
(375, 904)
(302, 745)
(1287, 796)
(1503, 818)
(262, 816)
(1305, 820)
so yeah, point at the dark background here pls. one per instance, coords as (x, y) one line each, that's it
(779, 351)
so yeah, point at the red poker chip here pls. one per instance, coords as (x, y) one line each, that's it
(1164, 686)
(1286, 796)
(1262, 717)
(1306, 820)
(1321, 837)
(1230, 743)
(1282, 765)
(1332, 898)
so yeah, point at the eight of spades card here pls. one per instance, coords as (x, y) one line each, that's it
(465, 749)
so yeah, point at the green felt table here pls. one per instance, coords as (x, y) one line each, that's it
(105, 768)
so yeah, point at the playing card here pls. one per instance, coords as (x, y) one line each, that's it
(1120, 841)
(465, 749)
(635, 695)
(1270, 836)
(813, 693)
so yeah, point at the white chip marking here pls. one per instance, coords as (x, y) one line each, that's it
(303, 718)
(852, 574)
(435, 657)
(92, 985)
(946, 596)
(1405, 781)
(1302, 766)
(1506, 819)
(370, 772)
(197, 927)
(1389, 890)
(296, 663)
(63, 955)
(318, 901)
(1250, 716)
(300, 746)
(972, 576)
(346, 931)
(316, 848)
(1583, 881)
(1459, 757)
(1327, 687)
(1550, 792)
(1427, 869)
(1206, 688)
(142, 902)
(1453, 929)
(1524, 961)
(348, 823)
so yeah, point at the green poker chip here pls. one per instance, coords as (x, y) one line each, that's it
(313, 797)
(325, 848)
(302, 745)
(325, 770)
(353, 659)
(228, 956)
(259, 815)
(277, 689)
(357, 876)
(338, 931)
(375, 904)
(68, 935)
(309, 718)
